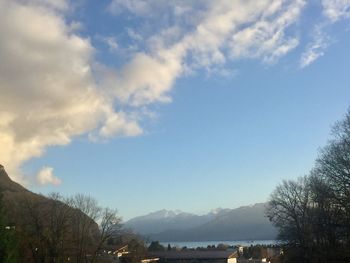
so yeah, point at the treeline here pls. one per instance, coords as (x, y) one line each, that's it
(312, 213)
(55, 229)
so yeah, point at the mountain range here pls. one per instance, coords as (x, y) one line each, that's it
(243, 223)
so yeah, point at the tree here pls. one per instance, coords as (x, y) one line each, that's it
(56, 228)
(312, 214)
(333, 170)
(32, 228)
(90, 237)
(45, 228)
(289, 211)
(9, 252)
(137, 251)
(110, 226)
(59, 232)
(85, 229)
(156, 246)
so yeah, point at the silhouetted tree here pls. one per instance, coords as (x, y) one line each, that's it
(84, 226)
(9, 250)
(289, 211)
(313, 212)
(109, 226)
(156, 246)
(137, 251)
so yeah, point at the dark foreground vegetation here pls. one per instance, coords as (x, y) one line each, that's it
(35, 228)
(312, 213)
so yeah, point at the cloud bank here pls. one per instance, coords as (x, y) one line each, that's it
(48, 92)
(54, 89)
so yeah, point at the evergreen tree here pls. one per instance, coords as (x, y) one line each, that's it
(156, 246)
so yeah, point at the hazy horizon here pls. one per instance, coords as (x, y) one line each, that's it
(189, 105)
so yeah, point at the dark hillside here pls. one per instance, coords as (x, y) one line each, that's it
(45, 226)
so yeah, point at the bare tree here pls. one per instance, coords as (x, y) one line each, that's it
(59, 232)
(289, 211)
(44, 226)
(313, 213)
(109, 226)
(85, 229)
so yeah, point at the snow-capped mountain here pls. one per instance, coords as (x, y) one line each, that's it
(163, 220)
(163, 214)
(247, 222)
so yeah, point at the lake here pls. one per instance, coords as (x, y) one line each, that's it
(230, 243)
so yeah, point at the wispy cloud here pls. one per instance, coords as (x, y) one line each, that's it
(202, 38)
(111, 42)
(316, 48)
(333, 11)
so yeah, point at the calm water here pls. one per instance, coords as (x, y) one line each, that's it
(230, 243)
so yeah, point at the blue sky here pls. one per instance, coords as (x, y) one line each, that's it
(187, 105)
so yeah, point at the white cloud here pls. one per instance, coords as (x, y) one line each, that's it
(53, 4)
(137, 7)
(336, 9)
(216, 32)
(111, 42)
(48, 92)
(147, 7)
(46, 177)
(118, 124)
(133, 35)
(316, 48)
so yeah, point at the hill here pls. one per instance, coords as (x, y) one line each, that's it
(16, 196)
(46, 223)
(7, 185)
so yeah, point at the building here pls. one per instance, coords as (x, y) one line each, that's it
(196, 256)
(121, 251)
(252, 260)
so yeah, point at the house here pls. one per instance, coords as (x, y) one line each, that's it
(121, 251)
(194, 256)
(149, 260)
(252, 260)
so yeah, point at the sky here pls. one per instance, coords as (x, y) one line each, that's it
(181, 104)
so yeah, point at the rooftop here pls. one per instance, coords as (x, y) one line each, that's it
(194, 254)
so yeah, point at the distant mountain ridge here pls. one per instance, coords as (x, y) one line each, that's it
(164, 220)
(243, 223)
